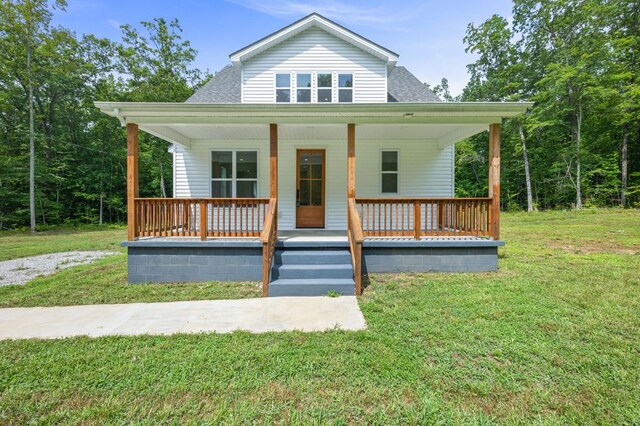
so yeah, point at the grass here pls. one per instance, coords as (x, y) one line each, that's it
(15, 244)
(104, 281)
(552, 337)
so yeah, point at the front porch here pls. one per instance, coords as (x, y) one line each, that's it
(232, 238)
(190, 259)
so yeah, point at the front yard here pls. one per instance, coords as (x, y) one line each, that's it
(552, 337)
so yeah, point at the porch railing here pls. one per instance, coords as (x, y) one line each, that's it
(268, 238)
(203, 217)
(421, 217)
(356, 238)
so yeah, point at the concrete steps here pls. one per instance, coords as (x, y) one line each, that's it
(314, 272)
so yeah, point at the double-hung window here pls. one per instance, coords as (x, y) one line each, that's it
(234, 174)
(389, 172)
(325, 87)
(345, 87)
(283, 87)
(303, 87)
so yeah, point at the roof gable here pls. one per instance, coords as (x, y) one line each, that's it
(319, 21)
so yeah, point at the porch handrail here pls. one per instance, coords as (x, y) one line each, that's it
(203, 217)
(418, 217)
(356, 237)
(268, 237)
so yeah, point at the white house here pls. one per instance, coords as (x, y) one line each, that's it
(309, 160)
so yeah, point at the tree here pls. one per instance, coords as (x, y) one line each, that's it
(499, 75)
(23, 24)
(567, 35)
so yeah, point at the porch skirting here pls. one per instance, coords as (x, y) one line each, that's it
(166, 262)
(430, 256)
(176, 260)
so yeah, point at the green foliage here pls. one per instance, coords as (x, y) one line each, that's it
(579, 60)
(80, 153)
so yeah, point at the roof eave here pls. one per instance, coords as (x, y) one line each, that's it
(193, 113)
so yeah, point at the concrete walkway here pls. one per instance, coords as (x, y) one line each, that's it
(219, 316)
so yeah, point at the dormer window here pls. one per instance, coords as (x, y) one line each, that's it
(303, 88)
(345, 87)
(283, 87)
(325, 85)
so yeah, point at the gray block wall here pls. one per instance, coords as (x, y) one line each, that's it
(193, 264)
(429, 259)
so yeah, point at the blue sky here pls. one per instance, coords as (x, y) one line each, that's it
(426, 33)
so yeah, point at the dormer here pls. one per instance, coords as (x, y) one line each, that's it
(313, 60)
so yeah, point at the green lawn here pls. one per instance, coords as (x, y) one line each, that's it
(552, 337)
(104, 281)
(14, 244)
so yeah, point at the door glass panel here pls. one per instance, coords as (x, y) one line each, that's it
(316, 192)
(305, 192)
(305, 167)
(316, 166)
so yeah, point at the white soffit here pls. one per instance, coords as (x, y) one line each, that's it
(443, 134)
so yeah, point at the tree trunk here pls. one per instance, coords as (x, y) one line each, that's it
(32, 142)
(525, 158)
(578, 136)
(101, 203)
(624, 159)
(163, 190)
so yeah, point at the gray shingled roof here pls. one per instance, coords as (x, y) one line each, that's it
(402, 86)
(224, 88)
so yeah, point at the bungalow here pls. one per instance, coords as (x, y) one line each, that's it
(308, 162)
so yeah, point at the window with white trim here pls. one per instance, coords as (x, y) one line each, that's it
(324, 87)
(283, 87)
(345, 87)
(303, 88)
(234, 174)
(389, 168)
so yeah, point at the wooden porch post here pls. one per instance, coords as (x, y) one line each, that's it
(494, 179)
(273, 161)
(351, 160)
(132, 180)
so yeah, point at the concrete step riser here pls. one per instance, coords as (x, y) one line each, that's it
(310, 258)
(310, 290)
(300, 272)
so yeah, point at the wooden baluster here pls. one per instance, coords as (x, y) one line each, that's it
(203, 220)
(416, 220)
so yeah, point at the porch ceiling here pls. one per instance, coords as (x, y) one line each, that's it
(440, 122)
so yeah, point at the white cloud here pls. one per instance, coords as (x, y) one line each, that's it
(115, 24)
(334, 9)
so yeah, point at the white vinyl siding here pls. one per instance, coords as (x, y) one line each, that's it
(425, 171)
(314, 51)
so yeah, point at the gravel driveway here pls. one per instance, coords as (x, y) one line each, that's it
(20, 271)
